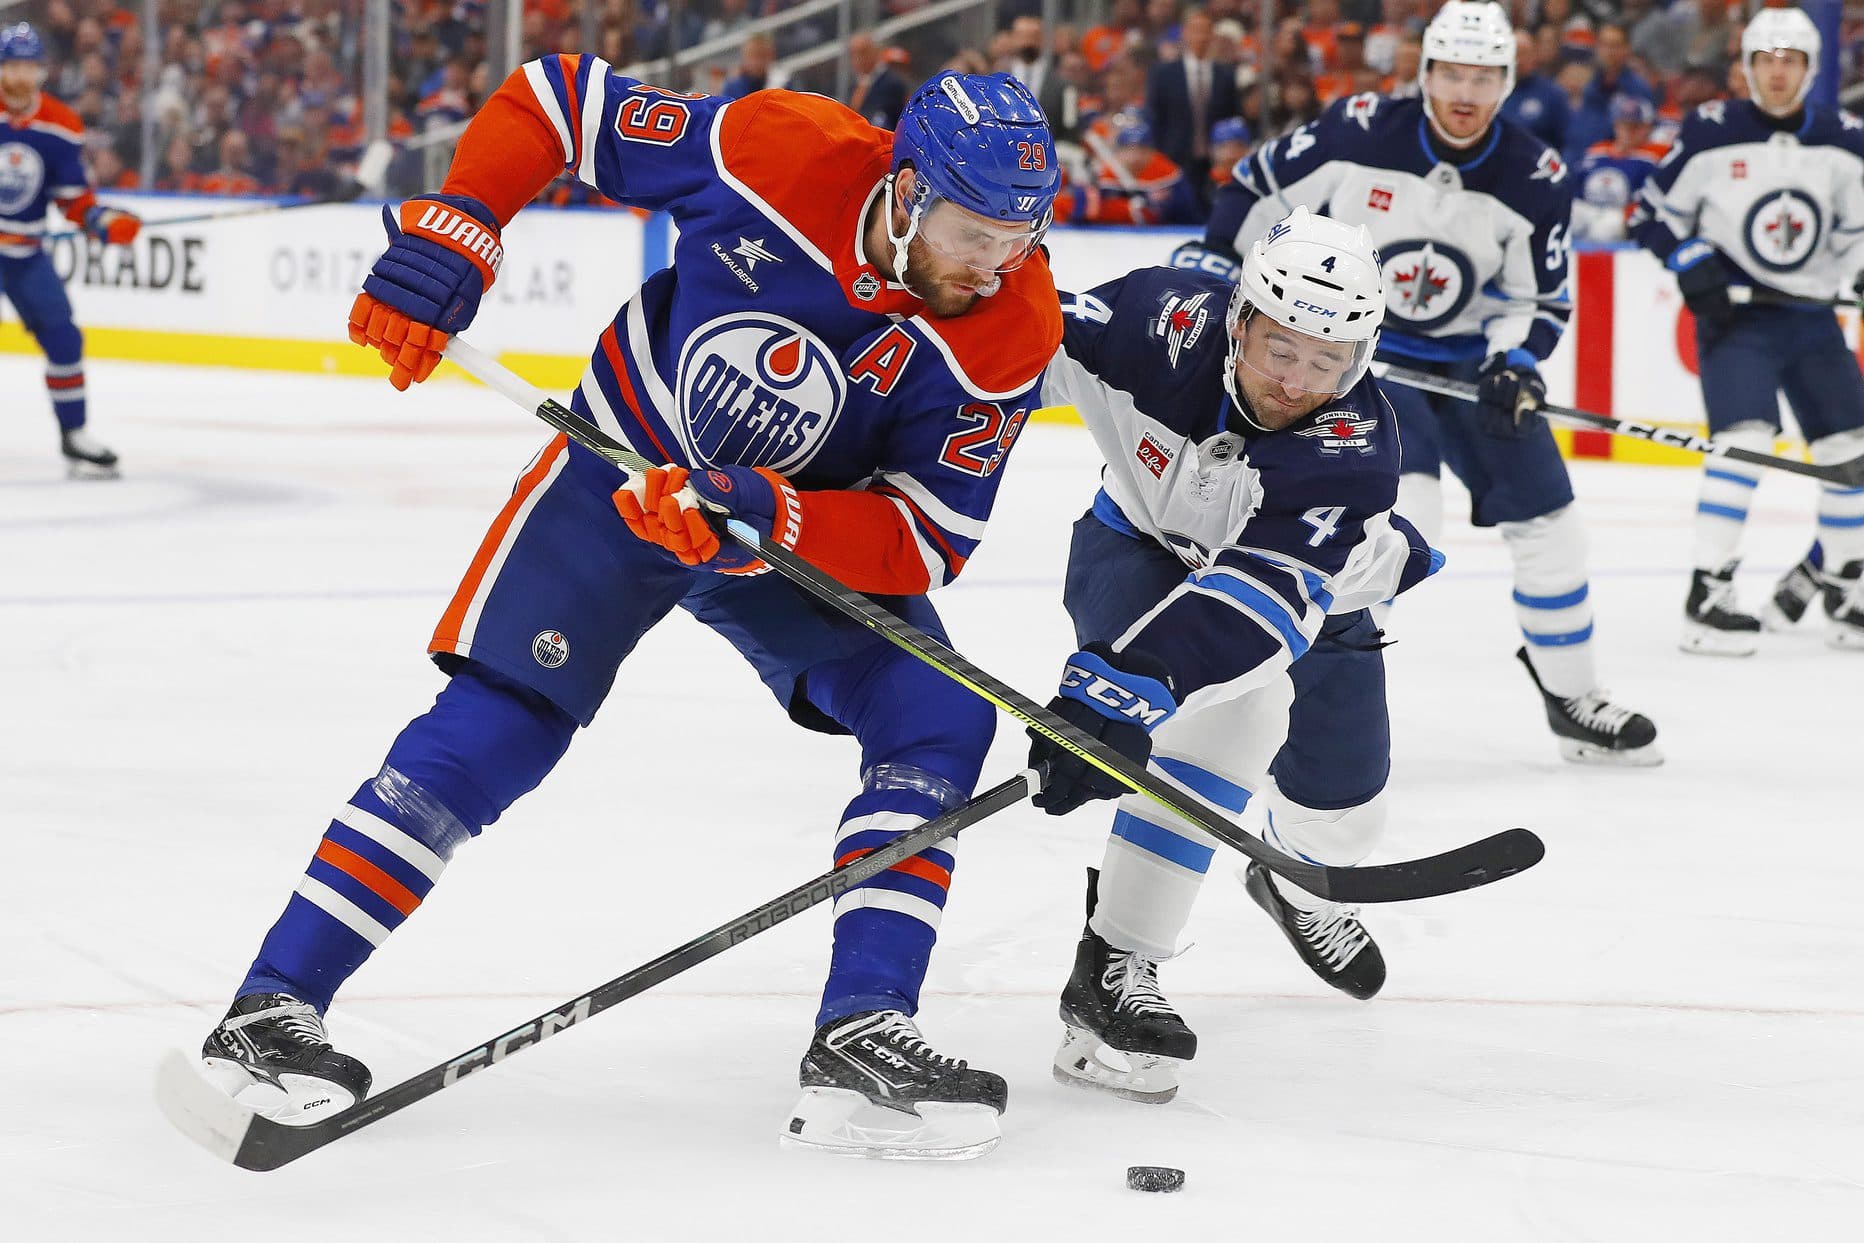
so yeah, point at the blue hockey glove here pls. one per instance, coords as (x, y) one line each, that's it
(441, 258)
(1702, 278)
(1118, 699)
(1508, 391)
(674, 509)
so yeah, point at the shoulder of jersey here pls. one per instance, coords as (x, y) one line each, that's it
(1528, 165)
(999, 348)
(768, 137)
(58, 115)
(1366, 120)
(1717, 124)
(1837, 128)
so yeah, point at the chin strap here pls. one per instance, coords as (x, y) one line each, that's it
(901, 241)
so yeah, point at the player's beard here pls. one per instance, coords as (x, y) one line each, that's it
(934, 280)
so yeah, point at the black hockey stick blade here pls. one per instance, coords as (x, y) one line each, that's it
(234, 1133)
(1491, 860)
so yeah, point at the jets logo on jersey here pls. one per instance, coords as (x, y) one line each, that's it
(1550, 167)
(1181, 322)
(22, 173)
(1361, 108)
(1340, 430)
(1427, 284)
(757, 390)
(1783, 229)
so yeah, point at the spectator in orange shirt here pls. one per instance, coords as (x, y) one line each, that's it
(1321, 33)
(1103, 43)
(1349, 64)
(234, 175)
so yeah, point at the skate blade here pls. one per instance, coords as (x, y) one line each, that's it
(1574, 751)
(844, 1123)
(1776, 620)
(91, 470)
(1084, 1060)
(1845, 638)
(294, 1100)
(1700, 640)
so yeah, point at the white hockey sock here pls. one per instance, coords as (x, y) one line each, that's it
(1553, 601)
(1727, 494)
(1841, 510)
(1339, 837)
(1420, 501)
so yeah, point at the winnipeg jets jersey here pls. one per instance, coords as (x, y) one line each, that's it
(40, 162)
(1276, 529)
(771, 340)
(1473, 253)
(1784, 205)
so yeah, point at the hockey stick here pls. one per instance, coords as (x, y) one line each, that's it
(1848, 474)
(232, 1132)
(1747, 295)
(1478, 863)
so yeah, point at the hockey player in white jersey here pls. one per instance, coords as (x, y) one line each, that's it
(1219, 588)
(1470, 213)
(1767, 193)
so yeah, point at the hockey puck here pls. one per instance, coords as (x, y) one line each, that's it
(1154, 1178)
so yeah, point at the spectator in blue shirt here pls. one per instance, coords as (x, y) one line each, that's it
(1538, 104)
(1612, 75)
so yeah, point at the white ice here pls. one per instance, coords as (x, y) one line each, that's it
(1654, 1035)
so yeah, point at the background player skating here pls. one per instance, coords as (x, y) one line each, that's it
(1470, 214)
(842, 354)
(1768, 193)
(1246, 444)
(41, 163)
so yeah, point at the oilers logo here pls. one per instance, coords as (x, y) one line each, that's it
(1427, 284)
(22, 176)
(757, 390)
(1606, 186)
(1783, 229)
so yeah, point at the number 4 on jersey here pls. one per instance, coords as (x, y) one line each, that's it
(1325, 519)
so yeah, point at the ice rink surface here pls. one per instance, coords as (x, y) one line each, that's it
(1656, 1034)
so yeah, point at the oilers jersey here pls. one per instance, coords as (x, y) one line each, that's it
(1609, 179)
(1784, 203)
(41, 163)
(772, 341)
(1473, 253)
(1276, 529)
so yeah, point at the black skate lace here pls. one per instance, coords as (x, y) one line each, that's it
(1133, 980)
(904, 1033)
(1719, 598)
(1595, 710)
(299, 1020)
(1335, 933)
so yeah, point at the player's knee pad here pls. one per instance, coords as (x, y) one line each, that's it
(1420, 501)
(1338, 837)
(485, 743)
(61, 340)
(1549, 551)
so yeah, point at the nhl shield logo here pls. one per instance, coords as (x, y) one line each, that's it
(757, 390)
(550, 649)
(22, 175)
(866, 286)
(1784, 229)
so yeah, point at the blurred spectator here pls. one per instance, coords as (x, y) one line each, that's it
(1688, 33)
(1407, 61)
(756, 68)
(1068, 96)
(1121, 30)
(1538, 105)
(233, 174)
(1028, 60)
(878, 93)
(1230, 142)
(1350, 73)
(1185, 96)
(1612, 75)
(1130, 181)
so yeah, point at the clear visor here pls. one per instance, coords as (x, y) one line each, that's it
(967, 238)
(1452, 83)
(1298, 362)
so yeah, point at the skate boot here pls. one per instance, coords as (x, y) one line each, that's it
(1112, 1006)
(1329, 938)
(1847, 632)
(872, 1087)
(1794, 594)
(1713, 625)
(1594, 730)
(270, 1054)
(85, 458)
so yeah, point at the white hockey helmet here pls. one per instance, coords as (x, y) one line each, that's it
(1468, 32)
(1780, 30)
(1321, 279)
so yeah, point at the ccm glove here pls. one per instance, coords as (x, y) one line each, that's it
(1118, 699)
(669, 506)
(1508, 391)
(442, 256)
(1702, 278)
(112, 225)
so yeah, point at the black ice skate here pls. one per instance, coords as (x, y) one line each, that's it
(1330, 939)
(1847, 630)
(1794, 594)
(270, 1053)
(1594, 730)
(1713, 624)
(1112, 1005)
(873, 1087)
(85, 458)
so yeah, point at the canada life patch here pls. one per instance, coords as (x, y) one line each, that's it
(757, 390)
(1152, 455)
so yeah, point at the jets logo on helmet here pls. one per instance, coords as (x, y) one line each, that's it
(1780, 30)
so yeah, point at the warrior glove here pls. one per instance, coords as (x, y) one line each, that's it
(442, 256)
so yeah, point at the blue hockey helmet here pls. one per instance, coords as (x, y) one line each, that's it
(21, 42)
(978, 142)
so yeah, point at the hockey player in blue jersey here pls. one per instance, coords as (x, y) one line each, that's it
(841, 359)
(1219, 589)
(1767, 193)
(41, 164)
(1470, 213)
